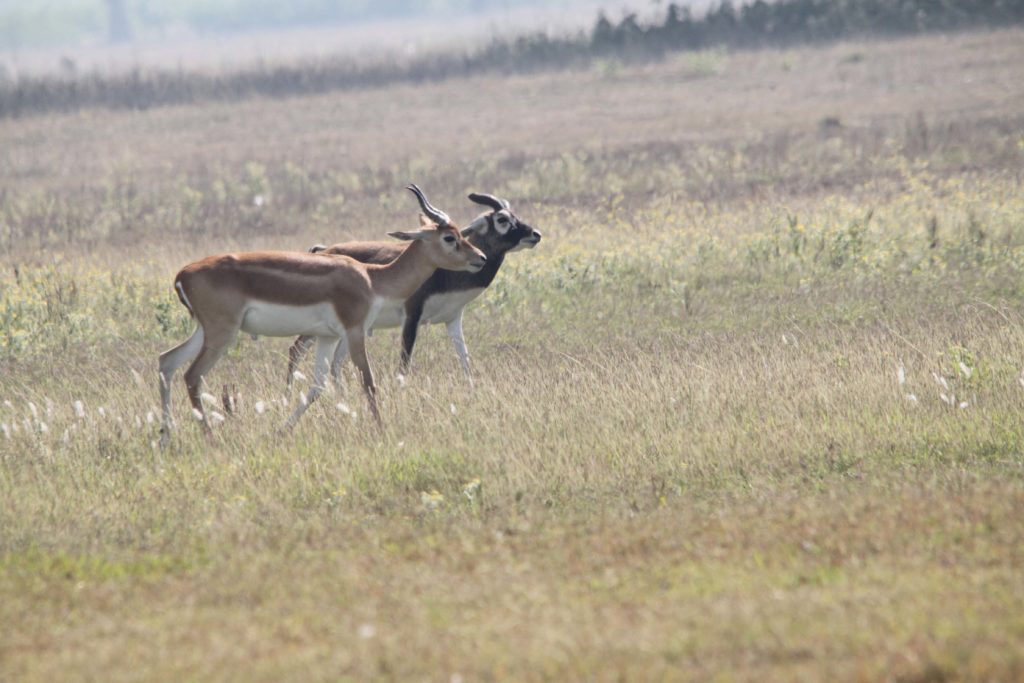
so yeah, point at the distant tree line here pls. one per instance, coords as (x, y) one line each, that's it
(757, 24)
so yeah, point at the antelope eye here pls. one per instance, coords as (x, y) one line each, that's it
(449, 239)
(503, 220)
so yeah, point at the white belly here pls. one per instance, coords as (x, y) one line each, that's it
(443, 308)
(278, 320)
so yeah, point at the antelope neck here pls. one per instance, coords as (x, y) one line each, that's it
(403, 276)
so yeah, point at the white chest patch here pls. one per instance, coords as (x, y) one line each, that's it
(390, 313)
(279, 320)
(443, 308)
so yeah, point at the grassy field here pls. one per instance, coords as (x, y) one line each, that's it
(751, 410)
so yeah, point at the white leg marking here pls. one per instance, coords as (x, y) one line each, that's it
(324, 351)
(170, 361)
(459, 342)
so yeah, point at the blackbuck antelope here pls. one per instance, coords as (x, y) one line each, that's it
(282, 294)
(445, 294)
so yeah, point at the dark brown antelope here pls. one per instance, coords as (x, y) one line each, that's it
(445, 294)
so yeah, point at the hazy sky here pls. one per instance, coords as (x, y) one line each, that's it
(50, 35)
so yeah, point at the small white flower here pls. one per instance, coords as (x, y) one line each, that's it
(367, 631)
(197, 414)
(965, 370)
(102, 411)
(964, 404)
(79, 409)
(432, 500)
(947, 399)
(150, 417)
(32, 409)
(208, 399)
(258, 201)
(451, 407)
(5, 429)
(471, 488)
(298, 376)
(901, 375)
(43, 429)
(260, 407)
(344, 409)
(303, 400)
(400, 378)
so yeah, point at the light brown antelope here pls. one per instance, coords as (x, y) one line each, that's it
(283, 294)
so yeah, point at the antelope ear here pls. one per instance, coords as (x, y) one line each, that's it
(426, 222)
(409, 236)
(477, 226)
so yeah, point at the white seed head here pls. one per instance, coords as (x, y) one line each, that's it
(32, 409)
(197, 414)
(208, 399)
(471, 488)
(432, 500)
(344, 409)
(453, 409)
(967, 372)
(901, 375)
(215, 417)
(298, 376)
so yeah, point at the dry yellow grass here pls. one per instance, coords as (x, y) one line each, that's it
(688, 455)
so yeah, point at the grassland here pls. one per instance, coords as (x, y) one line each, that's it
(751, 411)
